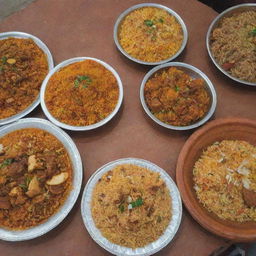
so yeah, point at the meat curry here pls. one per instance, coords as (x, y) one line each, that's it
(35, 177)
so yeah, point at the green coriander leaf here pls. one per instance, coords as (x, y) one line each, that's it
(82, 78)
(137, 203)
(23, 186)
(148, 23)
(177, 88)
(76, 82)
(161, 20)
(121, 208)
(6, 162)
(4, 59)
(27, 180)
(253, 32)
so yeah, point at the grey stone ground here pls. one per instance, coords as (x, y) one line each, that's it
(7, 7)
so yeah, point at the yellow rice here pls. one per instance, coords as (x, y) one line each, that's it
(150, 34)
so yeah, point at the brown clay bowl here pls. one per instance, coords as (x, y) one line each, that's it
(217, 130)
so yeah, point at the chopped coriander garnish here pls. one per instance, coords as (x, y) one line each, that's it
(121, 208)
(27, 180)
(23, 186)
(76, 82)
(26, 183)
(4, 59)
(137, 203)
(253, 32)
(177, 88)
(6, 162)
(85, 80)
(161, 20)
(148, 23)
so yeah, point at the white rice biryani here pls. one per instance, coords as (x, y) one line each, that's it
(225, 180)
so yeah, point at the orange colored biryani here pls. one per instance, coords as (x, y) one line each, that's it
(150, 34)
(35, 178)
(23, 67)
(82, 93)
(176, 98)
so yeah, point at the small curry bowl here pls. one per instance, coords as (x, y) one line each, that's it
(214, 131)
(178, 20)
(84, 82)
(194, 73)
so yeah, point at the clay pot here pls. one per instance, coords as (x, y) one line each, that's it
(217, 130)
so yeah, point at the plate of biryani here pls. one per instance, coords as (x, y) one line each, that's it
(178, 96)
(150, 34)
(40, 178)
(24, 63)
(216, 175)
(131, 207)
(231, 42)
(81, 94)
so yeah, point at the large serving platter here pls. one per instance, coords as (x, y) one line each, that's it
(150, 249)
(57, 218)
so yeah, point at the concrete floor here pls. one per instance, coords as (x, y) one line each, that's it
(7, 7)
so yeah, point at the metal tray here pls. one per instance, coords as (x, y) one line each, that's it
(227, 13)
(47, 52)
(171, 12)
(88, 127)
(191, 71)
(54, 220)
(151, 248)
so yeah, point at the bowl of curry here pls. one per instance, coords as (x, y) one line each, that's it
(150, 34)
(131, 207)
(81, 94)
(178, 96)
(40, 178)
(24, 63)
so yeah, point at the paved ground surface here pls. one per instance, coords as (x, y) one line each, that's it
(7, 7)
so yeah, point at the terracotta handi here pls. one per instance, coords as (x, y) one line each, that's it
(215, 131)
